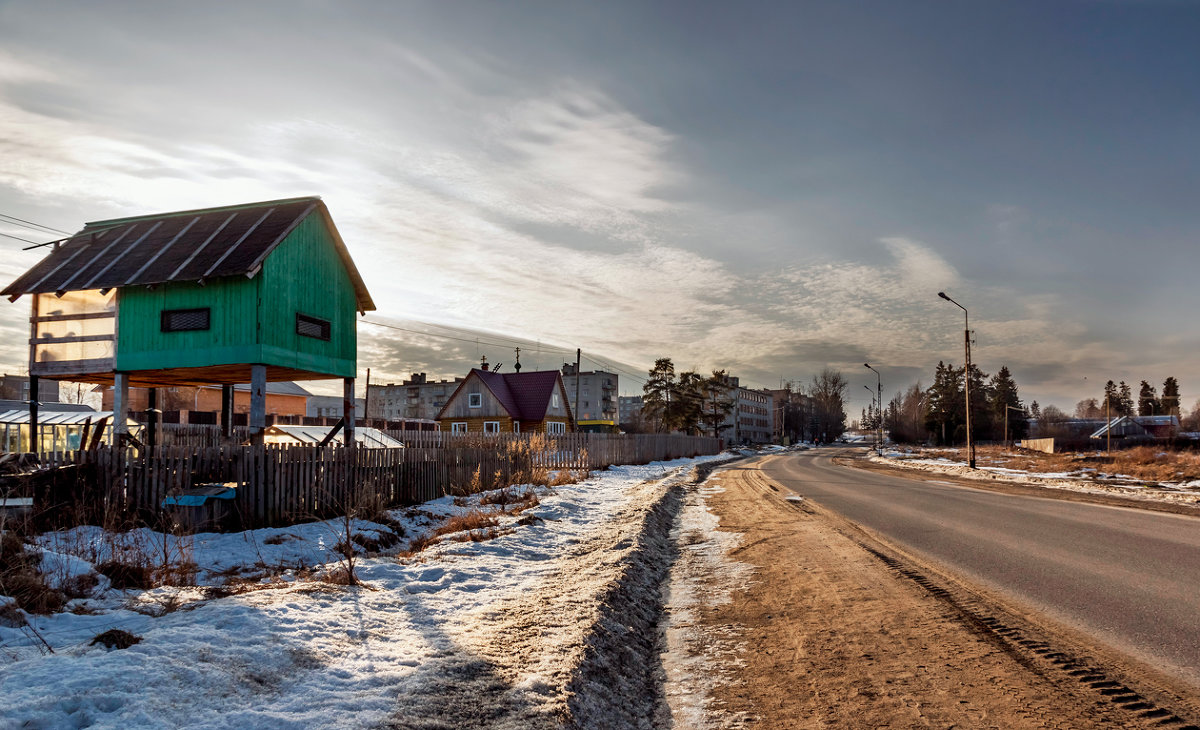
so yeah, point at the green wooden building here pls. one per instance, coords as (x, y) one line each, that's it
(241, 294)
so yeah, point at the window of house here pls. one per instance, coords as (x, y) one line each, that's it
(458, 427)
(475, 400)
(554, 400)
(516, 427)
(491, 427)
(312, 327)
(185, 320)
(556, 427)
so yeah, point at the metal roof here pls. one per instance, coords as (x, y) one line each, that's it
(57, 418)
(369, 437)
(191, 245)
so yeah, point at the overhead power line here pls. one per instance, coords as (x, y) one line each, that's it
(33, 226)
(23, 240)
(475, 340)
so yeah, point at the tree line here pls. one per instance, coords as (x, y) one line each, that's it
(938, 413)
(688, 402)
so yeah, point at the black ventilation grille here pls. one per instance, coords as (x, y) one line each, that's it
(312, 327)
(185, 320)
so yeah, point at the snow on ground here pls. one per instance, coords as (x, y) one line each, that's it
(1083, 480)
(703, 575)
(523, 619)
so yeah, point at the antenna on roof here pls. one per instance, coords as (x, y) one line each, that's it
(517, 367)
(496, 367)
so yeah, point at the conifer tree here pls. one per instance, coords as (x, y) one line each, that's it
(1170, 397)
(1148, 404)
(1125, 396)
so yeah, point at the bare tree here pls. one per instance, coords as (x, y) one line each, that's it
(828, 392)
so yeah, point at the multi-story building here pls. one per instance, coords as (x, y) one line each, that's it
(415, 398)
(629, 409)
(597, 396)
(750, 421)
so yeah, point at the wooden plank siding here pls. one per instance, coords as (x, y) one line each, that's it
(251, 320)
(280, 485)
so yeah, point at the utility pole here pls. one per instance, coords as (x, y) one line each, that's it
(575, 411)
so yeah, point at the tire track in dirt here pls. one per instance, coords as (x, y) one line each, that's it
(846, 631)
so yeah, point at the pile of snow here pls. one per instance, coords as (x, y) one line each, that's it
(518, 631)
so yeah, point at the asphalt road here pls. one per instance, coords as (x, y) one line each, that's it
(1127, 577)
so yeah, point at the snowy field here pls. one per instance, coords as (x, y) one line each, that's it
(1084, 480)
(552, 620)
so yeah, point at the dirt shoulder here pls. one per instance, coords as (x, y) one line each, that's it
(835, 633)
(998, 484)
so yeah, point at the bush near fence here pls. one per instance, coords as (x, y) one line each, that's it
(283, 484)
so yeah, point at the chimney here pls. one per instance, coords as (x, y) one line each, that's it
(483, 363)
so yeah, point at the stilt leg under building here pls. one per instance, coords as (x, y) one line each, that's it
(258, 402)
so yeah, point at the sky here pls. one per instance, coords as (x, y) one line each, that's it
(767, 188)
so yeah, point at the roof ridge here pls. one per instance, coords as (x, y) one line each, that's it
(193, 211)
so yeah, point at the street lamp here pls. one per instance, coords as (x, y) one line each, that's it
(966, 375)
(879, 424)
(872, 406)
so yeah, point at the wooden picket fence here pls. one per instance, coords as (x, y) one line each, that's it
(284, 484)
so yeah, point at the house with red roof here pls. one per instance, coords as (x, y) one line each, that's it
(490, 402)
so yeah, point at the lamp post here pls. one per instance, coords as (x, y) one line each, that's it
(879, 423)
(966, 375)
(872, 407)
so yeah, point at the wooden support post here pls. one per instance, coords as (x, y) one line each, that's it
(258, 402)
(120, 406)
(153, 417)
(35, 443)
(227, 411)
(348, 412)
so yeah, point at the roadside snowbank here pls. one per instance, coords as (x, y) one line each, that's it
(703, 575)
(516, 631)
(1184, 493)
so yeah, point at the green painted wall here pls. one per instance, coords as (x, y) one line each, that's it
(306, 275)
(252, 320)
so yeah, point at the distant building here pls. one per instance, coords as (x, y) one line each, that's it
(417, 397)
(330, 406)
(283, 399)
(1139, 428)
(487, 402)
(750, 421)
(629, 410)
(16, 387)
(597, 395)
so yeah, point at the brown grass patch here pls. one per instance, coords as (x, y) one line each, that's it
(479, 535)
(511, 501)
(1141, 463)
(418, 544)
(473, 520)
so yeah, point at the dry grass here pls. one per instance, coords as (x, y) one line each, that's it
(473, 520)
(511, 501)
(1142, 463)
(418, 544)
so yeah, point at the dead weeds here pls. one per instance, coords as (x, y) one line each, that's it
(1140, 463)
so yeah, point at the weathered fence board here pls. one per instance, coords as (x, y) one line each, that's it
(279, 484)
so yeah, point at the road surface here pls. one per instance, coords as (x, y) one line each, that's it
(1128, 577)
